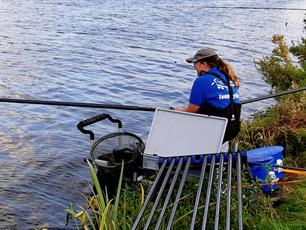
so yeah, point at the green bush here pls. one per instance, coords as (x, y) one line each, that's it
(283, 124)
(279, 70)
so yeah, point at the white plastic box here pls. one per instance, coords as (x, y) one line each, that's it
(176, 133)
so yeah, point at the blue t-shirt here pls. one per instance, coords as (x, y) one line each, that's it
(210, 89)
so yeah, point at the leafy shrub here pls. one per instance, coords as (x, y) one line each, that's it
(279, 70)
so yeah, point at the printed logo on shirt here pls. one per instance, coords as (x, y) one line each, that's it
(227, 96)
(219, 84)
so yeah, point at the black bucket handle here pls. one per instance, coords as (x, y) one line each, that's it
(95, 119)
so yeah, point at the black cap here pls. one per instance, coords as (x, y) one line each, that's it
(201, 54)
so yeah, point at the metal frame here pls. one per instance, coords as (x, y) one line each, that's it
(215, 162)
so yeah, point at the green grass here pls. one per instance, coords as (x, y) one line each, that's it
(100, 212)
(292, 210)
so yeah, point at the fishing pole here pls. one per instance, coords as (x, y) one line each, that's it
(291, 171)
(77, 104)
(273, 95)
(126, 107)
(254, 8)
(268, 184)
(279, 166)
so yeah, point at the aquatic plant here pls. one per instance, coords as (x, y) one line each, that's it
(100, 212)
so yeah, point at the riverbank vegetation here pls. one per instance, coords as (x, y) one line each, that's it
(282, 124)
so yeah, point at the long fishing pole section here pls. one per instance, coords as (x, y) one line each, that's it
(77, 104)
(273, 95)
(126, 107)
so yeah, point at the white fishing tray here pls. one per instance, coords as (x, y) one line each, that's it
(176, 133)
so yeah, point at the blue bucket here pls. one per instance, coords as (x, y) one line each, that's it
(272, 155)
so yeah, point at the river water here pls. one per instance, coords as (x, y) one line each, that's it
(129, 51)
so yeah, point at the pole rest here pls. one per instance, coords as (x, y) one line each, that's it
(197, 160)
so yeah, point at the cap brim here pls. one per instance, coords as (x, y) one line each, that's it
(190, 60)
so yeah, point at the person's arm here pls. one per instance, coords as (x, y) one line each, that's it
(190, 108)
(197, 97)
